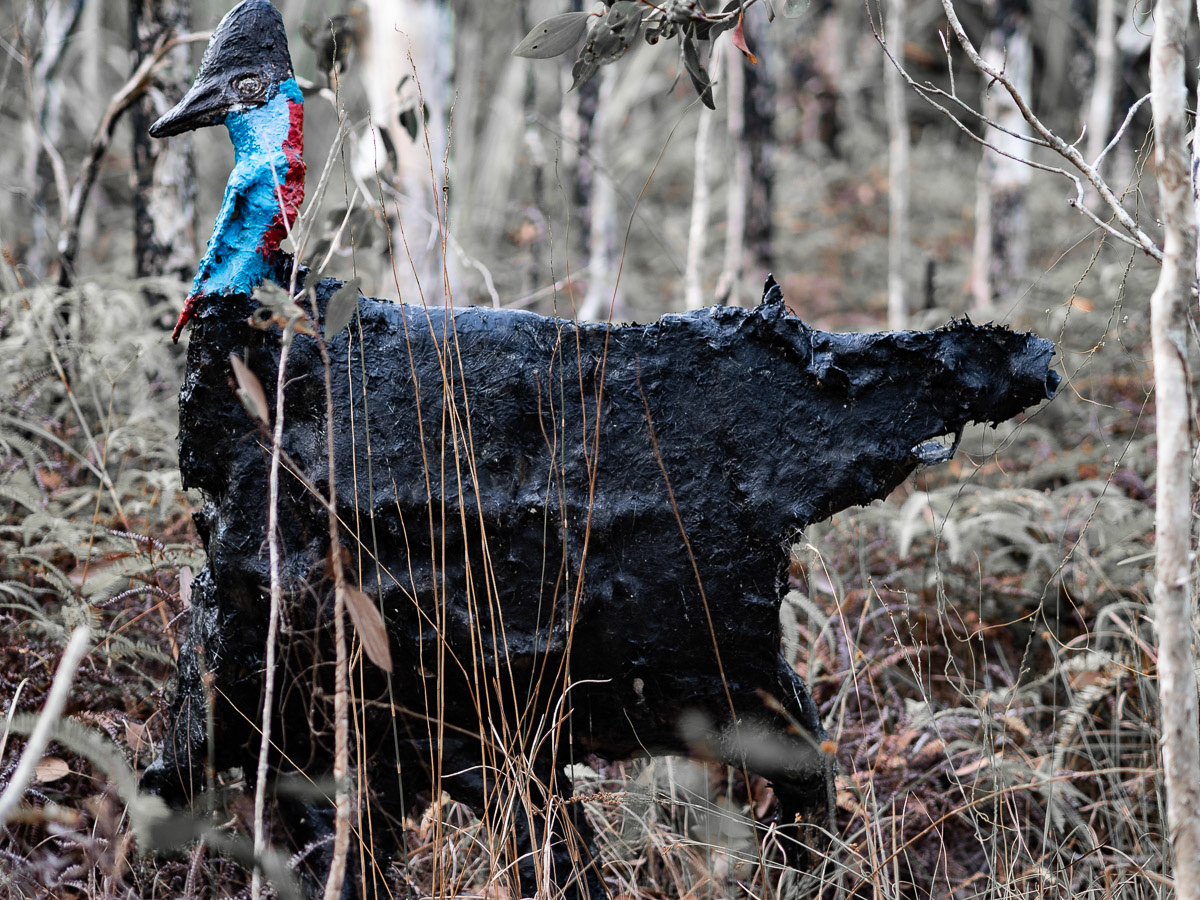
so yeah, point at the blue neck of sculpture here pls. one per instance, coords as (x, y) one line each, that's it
(263, 194)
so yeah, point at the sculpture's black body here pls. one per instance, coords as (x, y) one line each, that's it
(577, 534)
(702, 444)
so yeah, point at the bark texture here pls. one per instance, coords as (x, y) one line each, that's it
(1180, 739)
(898, 184)
(164, 172)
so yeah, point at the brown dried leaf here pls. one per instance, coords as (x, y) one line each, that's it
(51, 768)
(135, 736)
(250, 390)
(369, 624)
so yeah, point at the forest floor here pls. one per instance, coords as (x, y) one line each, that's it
(979, 644)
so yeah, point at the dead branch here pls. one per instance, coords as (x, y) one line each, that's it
(139, 82)
(1068, 151)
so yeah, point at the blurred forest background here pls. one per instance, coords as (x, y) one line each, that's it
(980, 644)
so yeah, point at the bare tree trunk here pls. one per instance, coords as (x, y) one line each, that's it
(1001, 235)
(898, 184)
(759, 124)
(534, 146)
(1104, 80)
(693, 273)
(407, 54)
(601, 301)
(1173, 540)
(848, 78)
(580, 124)
(44, 170)
(164, 172)
(729, 284)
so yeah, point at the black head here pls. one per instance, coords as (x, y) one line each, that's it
(246, 60)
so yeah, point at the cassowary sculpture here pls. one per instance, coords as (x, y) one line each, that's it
(576, 533)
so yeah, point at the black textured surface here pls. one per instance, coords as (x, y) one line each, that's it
(531, 485)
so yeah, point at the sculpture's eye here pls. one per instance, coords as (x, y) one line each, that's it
(249, 87)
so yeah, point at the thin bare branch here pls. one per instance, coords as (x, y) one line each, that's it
(139, 82)
(1056, 143)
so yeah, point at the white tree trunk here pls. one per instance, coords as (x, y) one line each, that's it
(1001, 235)
(1104, 81)
(1168, 327)
(693, 273)
(397, 30)
(602, 301)
(729, 284)
(898, 184)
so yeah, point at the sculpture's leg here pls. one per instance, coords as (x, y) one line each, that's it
(784, 744)
(803, 779)
(532, 832)
(179, 772)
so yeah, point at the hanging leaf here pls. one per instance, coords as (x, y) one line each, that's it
(624, 19)
(739, 41)
(609, 40)
(696, 71)
(583, 69)
(341, 309)
(368, 622)
(250, 390)
(553, 37)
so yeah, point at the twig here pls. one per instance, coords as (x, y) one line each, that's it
(138, 83)
(341, 687)
(260, 787)
(36, 746)
(1120, 131)
(1056, 143)
(927, 92)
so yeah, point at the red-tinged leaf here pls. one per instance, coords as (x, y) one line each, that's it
(739, 41)
(368, 622)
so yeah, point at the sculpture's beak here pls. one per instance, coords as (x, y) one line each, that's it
(245, 61)
(205, 104)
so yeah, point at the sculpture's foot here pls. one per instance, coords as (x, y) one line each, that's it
(185, 316)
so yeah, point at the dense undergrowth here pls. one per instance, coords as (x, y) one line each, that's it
(979, 644)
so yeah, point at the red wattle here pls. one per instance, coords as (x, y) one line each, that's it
(292, 190)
